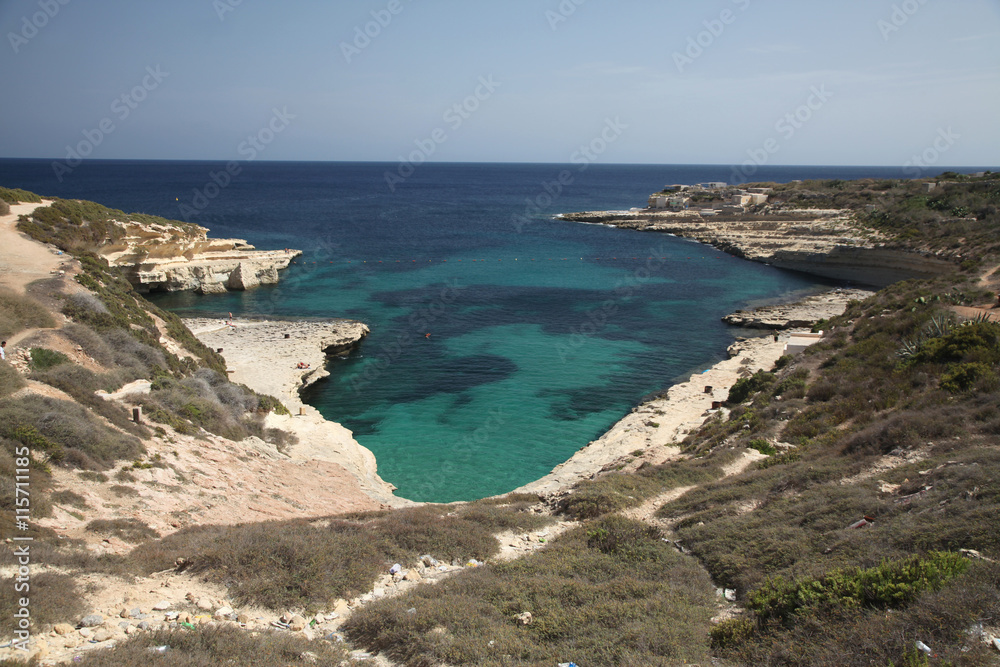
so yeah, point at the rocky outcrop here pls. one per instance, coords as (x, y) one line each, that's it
(159, 257)
(802, 313)
(826, 243)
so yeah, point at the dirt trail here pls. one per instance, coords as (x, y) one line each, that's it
(24, 260)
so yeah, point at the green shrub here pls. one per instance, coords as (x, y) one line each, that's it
(43, 359)
(964, 377)
(747, 387)
(16, 196)
(762, 446)
(732, 633)
(890, 585)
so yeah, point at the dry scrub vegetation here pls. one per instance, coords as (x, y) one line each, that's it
(892, 421)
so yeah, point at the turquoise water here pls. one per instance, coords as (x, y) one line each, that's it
(542, 335)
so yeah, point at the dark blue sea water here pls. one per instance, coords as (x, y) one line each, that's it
(543, 332)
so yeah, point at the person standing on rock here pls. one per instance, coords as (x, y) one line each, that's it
(3, 352)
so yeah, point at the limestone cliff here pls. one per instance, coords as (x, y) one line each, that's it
(158, 257)
(821, 242)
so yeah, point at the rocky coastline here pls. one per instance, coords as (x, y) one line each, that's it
(175, 257)
(804, 313)
(280, 358)
(820, 242)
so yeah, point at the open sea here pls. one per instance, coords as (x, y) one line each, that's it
(543, 333)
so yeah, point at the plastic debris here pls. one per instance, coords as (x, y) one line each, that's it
(730, 594)
(189, 626)
(923, 647)
(395, 569)
(411, 610)
(159, 649)
(567, 664)
(861, 523)
(996, 643)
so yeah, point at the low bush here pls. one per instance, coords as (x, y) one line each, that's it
(18, 313)
(944, 617)
(54, 598)
(43, 359)
(310, 564)
(67, 497)
(891, 585)
(617, 491)
(747, 387)
(608, 593)
(222, 645)
(16, 196)
(128, 530)
(10, 379)
(762, 446)
(66, 432)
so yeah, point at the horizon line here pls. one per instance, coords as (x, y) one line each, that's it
(493, 162)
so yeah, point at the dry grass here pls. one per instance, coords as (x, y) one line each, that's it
(608, 593)
(207, 646)
(18, 313)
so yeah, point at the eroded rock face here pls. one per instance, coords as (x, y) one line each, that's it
(158, 257)
(820, 242)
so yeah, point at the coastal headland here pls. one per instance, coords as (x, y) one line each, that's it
(822, 242)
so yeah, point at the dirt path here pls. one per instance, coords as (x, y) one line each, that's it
(24, 260)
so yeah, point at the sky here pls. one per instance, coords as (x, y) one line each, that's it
(854, 82)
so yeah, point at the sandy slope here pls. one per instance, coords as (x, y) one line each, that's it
(24, 260)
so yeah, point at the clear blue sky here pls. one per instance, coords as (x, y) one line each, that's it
(893, 77)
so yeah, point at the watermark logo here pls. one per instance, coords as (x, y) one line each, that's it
(562, 13)
(787, 126)
(714, 28)
(250, 149)
(121, 108)
(223, 7)
(900, 16)
(417, 325)
(597, 319)
(454, 116)
(22, 550)
(365, 34)
(30, 26)
(945, 139)
(583, 157)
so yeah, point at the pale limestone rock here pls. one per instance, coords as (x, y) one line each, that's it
(62, 628)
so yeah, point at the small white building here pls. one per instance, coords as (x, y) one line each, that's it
(742, 200)
(800, 340)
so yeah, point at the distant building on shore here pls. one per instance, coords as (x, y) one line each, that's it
(672, 203)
